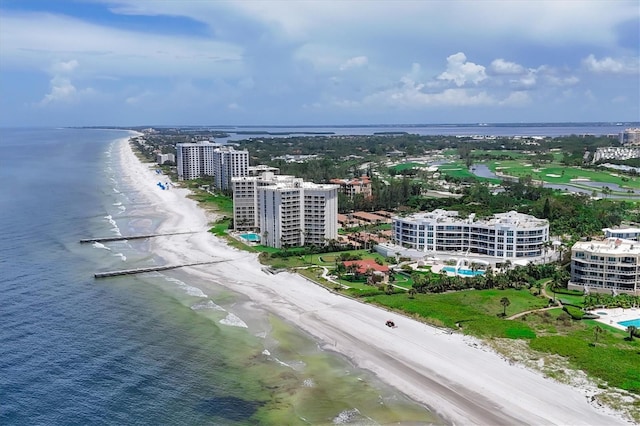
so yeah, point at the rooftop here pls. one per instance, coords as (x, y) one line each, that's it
(511, 218)
(608, 246)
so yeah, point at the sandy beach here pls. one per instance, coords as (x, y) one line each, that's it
(458, 377)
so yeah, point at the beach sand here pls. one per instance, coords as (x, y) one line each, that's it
(456, 376)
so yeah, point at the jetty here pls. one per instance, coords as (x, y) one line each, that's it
(130, 237)
(151, 269)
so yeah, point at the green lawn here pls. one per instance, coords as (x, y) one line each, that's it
(476, 311)
(559, 174)
(406, 166)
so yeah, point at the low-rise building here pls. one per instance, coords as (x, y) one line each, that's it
(351, 187)
(370, 218)
(369, 268)
(610, 265)
(163, 158)
(508, 235)
(622, 233)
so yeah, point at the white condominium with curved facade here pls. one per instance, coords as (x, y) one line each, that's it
(508, 235)
(609, 265)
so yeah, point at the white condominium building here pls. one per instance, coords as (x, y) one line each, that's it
(286, 210)
(504, 235)
(227, 164)
(622, 233)
(211, 159)
(609, 265)
(195, 159)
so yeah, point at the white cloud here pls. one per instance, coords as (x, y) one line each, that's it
(609, 65)
(355, 62)
(500, 66)
(62, 90)
(526, 81)
(64, 67)
(460, 71)
(519, 98)
(36, 40)
(549, 23)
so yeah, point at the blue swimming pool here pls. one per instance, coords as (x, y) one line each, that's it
(627, 323)
(461, 271)
(251, 237)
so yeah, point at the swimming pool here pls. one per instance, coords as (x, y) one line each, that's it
(251, 237)
(461, 271)
(627, 323)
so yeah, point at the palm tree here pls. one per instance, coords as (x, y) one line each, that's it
(632, 331)
(597, 330)
(505, 302)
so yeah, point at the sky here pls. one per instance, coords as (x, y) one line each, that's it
(182, 62)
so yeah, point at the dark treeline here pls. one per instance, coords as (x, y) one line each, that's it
(351, 156)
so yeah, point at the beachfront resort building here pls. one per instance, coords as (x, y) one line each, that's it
(509, 235)
(206, 158)
(285, 210)
(609, 265)
(195, 159)
(227, 164)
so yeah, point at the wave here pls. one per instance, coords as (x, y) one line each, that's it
(100, 246)
(118, 203)
(191, 291)
(116, 191)
(115, 228)
(234, 321)
(122, 256)
(209, 304)
(349, 416)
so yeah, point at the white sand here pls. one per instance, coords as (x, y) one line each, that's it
(456, 376)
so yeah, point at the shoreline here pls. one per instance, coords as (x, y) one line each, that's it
(457, 377)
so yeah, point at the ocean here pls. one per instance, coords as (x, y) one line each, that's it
(147, 349)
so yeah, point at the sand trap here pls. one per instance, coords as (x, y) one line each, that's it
(457, 376)
(553, 175)
(580, 180)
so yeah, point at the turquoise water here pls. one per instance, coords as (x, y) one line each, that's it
(254, 238)
(461, 271)
(635, 322)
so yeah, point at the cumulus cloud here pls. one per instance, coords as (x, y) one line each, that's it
(61, 89)
(355, 62)
(64, 67)
(460, 71)
(500, 66)
(609, 65)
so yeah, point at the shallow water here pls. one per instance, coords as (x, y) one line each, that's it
(158, 348)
